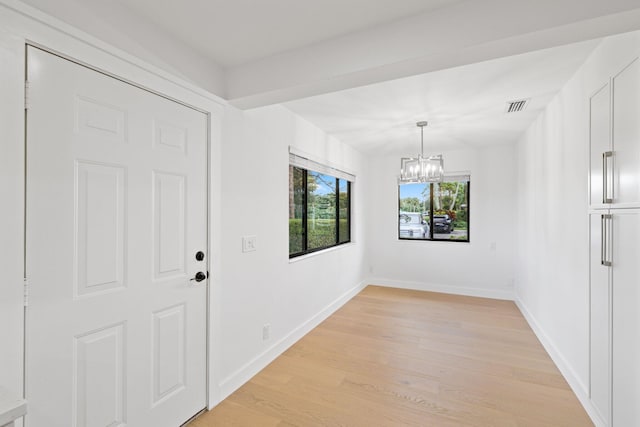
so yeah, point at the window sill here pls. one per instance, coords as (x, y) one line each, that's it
(434, 240)
(323, 251)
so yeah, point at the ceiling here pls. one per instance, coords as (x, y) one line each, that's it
(234, 32)
(261, 52)
(365, 71)
(465, 106)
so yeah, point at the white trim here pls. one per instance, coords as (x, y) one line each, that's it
(457, 177)
(320, 252)
(242, 375)
(578, 387)
(503, 294)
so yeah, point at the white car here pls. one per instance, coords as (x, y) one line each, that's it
(413, 226)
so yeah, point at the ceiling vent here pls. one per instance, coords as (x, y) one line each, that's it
(517, 106)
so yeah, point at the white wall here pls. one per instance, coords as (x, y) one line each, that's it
(264, 286)
(552, 280)
(474, 268)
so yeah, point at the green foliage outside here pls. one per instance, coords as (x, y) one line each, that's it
(413, 204)
(322, 206)
(344, 231)
(296, 241)
(460, 225)
(322, 233)
(449, 195)
(462, 237)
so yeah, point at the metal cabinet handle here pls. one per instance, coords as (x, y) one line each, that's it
(605, 177)
(602, 235)
(604, 240)
(604, 197)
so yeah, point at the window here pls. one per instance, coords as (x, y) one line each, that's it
(435, 211)
(319, 211)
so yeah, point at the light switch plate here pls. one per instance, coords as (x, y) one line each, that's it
(249, 243)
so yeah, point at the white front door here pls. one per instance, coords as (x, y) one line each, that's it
(116, 212)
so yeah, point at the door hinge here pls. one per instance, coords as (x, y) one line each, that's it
(25, 284)
(27, 95)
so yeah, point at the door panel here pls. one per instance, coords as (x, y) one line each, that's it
(99, 389)
(599, 141)
(168, 352)
(626, 318)
(600, 366)
(626, 134)
(169, 225)
(96, 118)
(116, 210)
(100, 227)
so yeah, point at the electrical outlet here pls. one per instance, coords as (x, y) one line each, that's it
(266, 332)
(249, 243)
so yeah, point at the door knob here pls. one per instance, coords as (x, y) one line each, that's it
(200, 276)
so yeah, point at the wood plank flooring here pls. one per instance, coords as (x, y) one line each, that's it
(393, 357)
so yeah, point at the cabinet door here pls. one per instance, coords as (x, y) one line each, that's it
(599, 142)
(600, 368)
(626, 134)
(625, 287)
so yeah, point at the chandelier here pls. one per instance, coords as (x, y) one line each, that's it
(421, 168)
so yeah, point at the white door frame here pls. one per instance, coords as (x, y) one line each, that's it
(21, 25)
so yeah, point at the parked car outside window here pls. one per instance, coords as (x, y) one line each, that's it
(442, 224)
(413, 226)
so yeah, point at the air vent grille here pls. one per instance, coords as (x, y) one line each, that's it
(517, 106)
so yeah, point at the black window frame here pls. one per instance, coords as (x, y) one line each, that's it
(431, 214)
(305, 205)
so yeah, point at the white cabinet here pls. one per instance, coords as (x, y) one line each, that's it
(614, 138)
(614, 199)
(625, 122)
(625, 317)
(600, 309)
(600, 146)
(615, 316)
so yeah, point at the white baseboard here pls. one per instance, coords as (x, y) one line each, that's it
(234, 381)
(579, 388)
(506, 294)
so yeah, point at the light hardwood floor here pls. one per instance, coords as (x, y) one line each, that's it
(394, 357)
